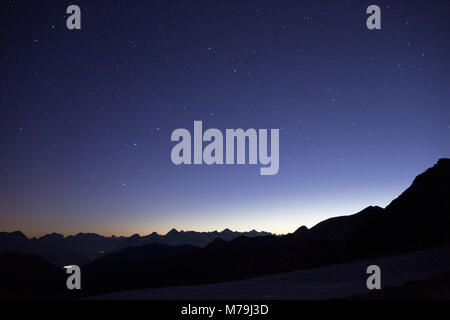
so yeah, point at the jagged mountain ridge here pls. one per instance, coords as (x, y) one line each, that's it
(84, 247)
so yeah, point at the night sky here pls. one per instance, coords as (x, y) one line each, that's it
(86, 115)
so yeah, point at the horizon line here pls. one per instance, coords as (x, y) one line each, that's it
(132, 234)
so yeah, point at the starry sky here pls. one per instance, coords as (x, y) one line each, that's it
(86, 115)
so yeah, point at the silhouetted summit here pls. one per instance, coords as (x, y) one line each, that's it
(419, 218)
(428, 195)
(172, 232)
(301, 230)
(52, 237)
(227, 231)
(13, 241)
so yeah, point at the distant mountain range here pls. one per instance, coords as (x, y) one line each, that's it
(85, 247)
(418, 219)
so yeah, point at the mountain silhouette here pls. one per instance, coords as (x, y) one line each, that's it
(418, 219)
(84, 247)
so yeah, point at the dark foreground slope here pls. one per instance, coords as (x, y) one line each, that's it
(418, 219)
(435, 288)
(335, 281)
(30, 277)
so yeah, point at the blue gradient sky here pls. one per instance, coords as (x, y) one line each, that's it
(86, 116)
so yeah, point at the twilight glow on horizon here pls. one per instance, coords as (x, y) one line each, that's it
(86, 116)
